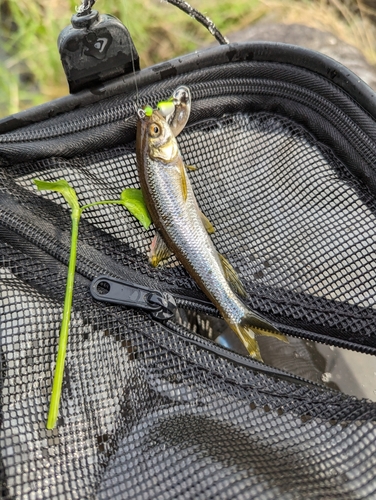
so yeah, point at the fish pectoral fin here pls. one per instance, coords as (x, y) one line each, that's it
(158, 251)
(232, 276)
(191, 167)
(207, 224)
(183, 180)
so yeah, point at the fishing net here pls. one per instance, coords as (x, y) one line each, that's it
(284, 141)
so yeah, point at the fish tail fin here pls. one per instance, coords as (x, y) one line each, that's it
(253, 324)
(248, 338)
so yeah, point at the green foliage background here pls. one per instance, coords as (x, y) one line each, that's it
(30, 67)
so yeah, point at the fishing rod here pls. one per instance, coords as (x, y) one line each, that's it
(86, 6)
(108, 45)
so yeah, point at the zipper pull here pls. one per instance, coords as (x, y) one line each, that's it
(161, 305)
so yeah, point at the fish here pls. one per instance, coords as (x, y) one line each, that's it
(183, 230)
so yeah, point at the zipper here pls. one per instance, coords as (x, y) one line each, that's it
(92, 264)
(237, 86)
(238, 359)
(160, 305)
(123, 280)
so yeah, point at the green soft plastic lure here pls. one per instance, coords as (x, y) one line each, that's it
(166, 108)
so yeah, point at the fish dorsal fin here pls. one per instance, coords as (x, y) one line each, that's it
(232, 276)
(191, 167)
(158, 251)
(207, 224)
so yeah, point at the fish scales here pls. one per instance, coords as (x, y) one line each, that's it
(181, 220)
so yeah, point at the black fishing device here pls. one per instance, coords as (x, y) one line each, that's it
(95, 48)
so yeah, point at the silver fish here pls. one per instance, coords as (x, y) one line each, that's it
(183, 229)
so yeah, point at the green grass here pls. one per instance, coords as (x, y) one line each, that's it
(32, 72)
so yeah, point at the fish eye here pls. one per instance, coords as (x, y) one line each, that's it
(154, 130)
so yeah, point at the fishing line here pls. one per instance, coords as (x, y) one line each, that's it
(86, 6)
(136, 104)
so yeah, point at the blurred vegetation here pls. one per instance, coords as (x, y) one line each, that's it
(30, 67)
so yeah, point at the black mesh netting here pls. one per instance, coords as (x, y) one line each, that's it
(148, 411)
